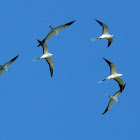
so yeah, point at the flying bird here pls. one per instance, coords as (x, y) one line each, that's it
(4, 67)
(113, 74)
(55, 31)
(46, 55)
(113, 98)
(105, 34)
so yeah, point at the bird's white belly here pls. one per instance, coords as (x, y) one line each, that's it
(46, 55)
(114, 76)
(105, 36)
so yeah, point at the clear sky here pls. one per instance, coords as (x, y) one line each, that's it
(69, 106)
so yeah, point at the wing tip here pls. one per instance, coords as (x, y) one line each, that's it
(107, 61)
(39, 42)
(98, 21)
(51, 73)
(124, 86)
(70, 22)
(109, 43)
(104, 112)
(15, 57)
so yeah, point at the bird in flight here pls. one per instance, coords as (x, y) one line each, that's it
(4, 67)
(46, 55)
(55, 31)
(113, 74)
(105, 34)
(113, 98)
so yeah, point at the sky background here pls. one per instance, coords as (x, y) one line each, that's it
(69, 105)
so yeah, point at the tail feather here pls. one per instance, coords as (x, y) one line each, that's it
(93, 39)
(107, 95)
(102, 81)
(36, 59)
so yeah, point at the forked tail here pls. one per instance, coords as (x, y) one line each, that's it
(102, 81)
(93, 39)
(108, 95)
(36, 59)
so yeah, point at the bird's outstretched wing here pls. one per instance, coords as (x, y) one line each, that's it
(112, 66)
(50, 34)
(64, 26)
(51, 65)
(1, 71)
(120, 82)
(44, 46)
(110, 41)
(119, 92)
(105, 27)
(109, 106)
(11, 61)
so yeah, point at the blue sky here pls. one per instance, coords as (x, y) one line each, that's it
(69, 105)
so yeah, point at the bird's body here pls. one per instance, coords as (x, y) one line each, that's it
(55, 31)
(113, 98)
(4, 67)
(105, 34)
(113, 74)
(46, 55)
